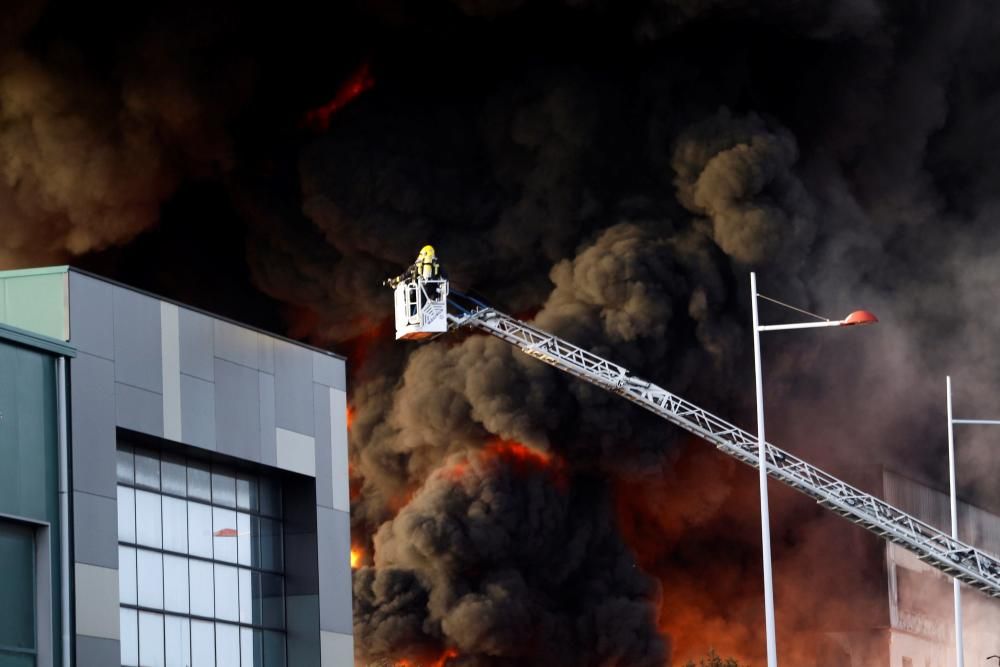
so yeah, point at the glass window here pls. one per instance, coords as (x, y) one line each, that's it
(227, 644)
(148, 528)
(203, 644)
(127, 590)
(150, 639)
(202, 588)
(17, 584)
(227, 596)
(177, 641)
(225, 534)
(147, 469)
(126, 514)
(149, 567)
(126, 465)
(199, 482)
(223, 487)
(173, 474)
(175, 583)
(175, 528)
(129, 637)
(199, 530)
(205, 545)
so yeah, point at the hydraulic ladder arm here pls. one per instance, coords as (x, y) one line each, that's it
(935, 547)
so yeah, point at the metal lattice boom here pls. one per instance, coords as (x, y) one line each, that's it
(935, 547)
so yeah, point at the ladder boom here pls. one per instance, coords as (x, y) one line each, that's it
(935, 547)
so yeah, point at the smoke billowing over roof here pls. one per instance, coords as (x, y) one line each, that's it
(608, 170)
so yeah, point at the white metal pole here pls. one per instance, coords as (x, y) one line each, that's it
(959, 652)
(765, 520)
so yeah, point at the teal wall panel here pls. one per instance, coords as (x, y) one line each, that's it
(36, 301)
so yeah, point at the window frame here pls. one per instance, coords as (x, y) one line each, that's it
(41, 532)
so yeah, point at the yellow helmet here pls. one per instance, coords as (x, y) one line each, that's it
(427, 251)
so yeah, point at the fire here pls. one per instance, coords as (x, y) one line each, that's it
(515, 455)
(356, 557)
(443, 661)
(359, 82)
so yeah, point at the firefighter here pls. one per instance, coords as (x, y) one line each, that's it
(427, 265)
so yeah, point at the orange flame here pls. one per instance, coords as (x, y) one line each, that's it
(443, 661)
(518, 457)
(356, 555)
(360, 81)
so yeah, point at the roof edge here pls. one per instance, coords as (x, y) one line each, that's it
(37, 341)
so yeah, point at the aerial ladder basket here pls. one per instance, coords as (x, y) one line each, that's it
(421, 308)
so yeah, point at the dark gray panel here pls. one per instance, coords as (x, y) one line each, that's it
(236, 344)
(329, 370)
(265, 353)
(324, 461)
(94, 652)
(237, 410)
(293, 386)
(198, 411)
(137, 340)
(334, 532)
(302, 617)
(268, 430)
(95, 530)
(138, 409)
(197, 336)
(92, 395)
(91, 315)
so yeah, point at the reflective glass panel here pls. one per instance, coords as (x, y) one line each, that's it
(223, 487)
(270, 545)
(243, 540)
(173, 475)
(127, 590)
(199, 530)
(147, 469)
(126, 466)
(148, 528)
(203, 644)
(129, 625)
(227, 644)
(126, 514)
(246, 492)
(225, 534)
(274, 649)
(227, 597)
(149, 567)
(251, 652)
(249, 603)
(150, 639)
(175, 528)
(175, 583)
(177, 641)
(199, 481)
(272, 601)
(270, 498)
(202, 588)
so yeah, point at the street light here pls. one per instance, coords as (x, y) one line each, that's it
(858, 317)
(959, 651)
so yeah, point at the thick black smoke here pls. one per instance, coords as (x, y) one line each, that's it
(611, 171)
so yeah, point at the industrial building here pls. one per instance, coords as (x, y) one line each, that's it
(174, 488)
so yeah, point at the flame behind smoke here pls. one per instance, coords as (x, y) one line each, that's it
(359, 82)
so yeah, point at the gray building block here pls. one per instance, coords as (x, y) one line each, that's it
(236, 344)
(329, 370)
(296, 452)
(324, 463)
(97, 601)
(293, 387)
(338, 451)
(265, 353)
(268, 430)
(137, 340)
(92, 392)
(198, 411)
(90, 311)
(334, 537)
(139, 409)
(302, 614)
(94, 652)
(170, 357)
(237, 410)
(338, 649)
(95, 530)
(197, 343)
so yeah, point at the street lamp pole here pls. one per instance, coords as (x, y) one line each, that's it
(857, 317)
(959, 650)
(765, 520)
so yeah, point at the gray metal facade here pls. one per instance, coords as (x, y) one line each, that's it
(158, 368)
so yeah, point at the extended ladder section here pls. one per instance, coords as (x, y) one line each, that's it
(968, 564)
